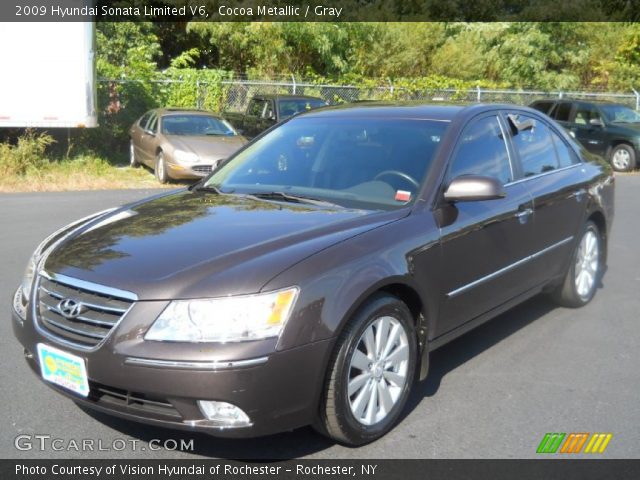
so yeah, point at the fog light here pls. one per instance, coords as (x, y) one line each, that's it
(223, 413)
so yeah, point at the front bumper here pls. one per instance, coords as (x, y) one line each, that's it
(279, 391)
(179, 172)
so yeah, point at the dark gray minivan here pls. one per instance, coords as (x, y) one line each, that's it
(307, 279)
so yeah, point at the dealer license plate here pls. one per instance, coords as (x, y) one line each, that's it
(64, 369)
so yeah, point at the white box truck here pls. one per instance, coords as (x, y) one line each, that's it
(48, 75)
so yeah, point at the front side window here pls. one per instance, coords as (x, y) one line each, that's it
(196, 125)
(353, 162)
(619, 114)
(535, 147)
(482, 151)
(566, 156)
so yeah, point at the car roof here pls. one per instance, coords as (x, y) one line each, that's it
(578, 100)
(409, 110)
(170, 111)
(274, 96)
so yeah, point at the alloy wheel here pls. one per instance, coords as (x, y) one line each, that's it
(621, 159)
(378, 370)
(587, 263)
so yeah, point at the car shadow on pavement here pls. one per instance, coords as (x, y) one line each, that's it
(305, 441)
(459, 351)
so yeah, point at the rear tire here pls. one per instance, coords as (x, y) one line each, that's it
(623, 158)
(585, 271)
(161, 169)
(370, 373)
(133, 163)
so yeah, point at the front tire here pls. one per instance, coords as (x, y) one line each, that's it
(623, 158)
(161, 169)
(585, 271)
(370, 374)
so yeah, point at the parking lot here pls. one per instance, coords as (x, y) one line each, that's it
(492, 393)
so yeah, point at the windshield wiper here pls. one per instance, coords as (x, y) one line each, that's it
(201, 187)
(287, 197)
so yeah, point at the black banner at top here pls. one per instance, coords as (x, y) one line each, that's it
(319, 10)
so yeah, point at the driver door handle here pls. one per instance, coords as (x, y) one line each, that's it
(523, 214)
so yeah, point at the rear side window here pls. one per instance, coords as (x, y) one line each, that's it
(562, 112)
(256, 108)
(144, 119)
(542, 106)
(585, 113)
(566, 156)
(535, 147)
(153, 124)
(482, 151)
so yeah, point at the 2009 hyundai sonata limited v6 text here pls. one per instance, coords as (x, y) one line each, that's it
(306, 280)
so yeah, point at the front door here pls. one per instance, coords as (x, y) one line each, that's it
(484, 243)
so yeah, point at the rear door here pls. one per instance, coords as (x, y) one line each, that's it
(483, 242)
(253, 117)
(593, 137)
(148, 141)
(553, 175)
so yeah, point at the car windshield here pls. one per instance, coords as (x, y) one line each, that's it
(620, 113)
(367, 163)
(196, 125)
(288, 108)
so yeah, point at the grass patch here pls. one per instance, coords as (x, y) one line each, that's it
(25, 167)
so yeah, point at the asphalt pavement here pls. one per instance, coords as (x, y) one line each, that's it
(492, 393)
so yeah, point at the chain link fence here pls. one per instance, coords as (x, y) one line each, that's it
(234, 95)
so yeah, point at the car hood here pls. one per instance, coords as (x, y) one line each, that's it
(627, 128)
(197, 244)
(208, 146)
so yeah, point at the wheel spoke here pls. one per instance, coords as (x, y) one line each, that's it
(399, 354)
(360, 361)
(358, 382)
(393, 377)
(382, 332)
(370, 343)
(386, 402)
(372, 405)
(391, 340)
(358, 405)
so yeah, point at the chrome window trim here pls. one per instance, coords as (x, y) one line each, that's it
(73, 282)
(215, 365)
(506, 146)
(508, 268)
(543, 174)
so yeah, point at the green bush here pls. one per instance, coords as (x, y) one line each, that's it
(28, 154)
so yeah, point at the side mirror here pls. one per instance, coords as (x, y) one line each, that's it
(150, 132)
(596, 122)
(471, 188)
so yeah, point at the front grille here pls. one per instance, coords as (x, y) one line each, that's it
(138, 403)
(99, 312)
(202, 168)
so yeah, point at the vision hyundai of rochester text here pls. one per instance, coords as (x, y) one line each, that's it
(306, 280)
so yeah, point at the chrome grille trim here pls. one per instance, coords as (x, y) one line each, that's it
(105, 308)
(202, 168)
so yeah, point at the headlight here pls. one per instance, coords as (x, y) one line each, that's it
(229, 319)
(185, 157)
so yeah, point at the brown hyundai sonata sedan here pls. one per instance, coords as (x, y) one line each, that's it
(307, 279)
(181, 144)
